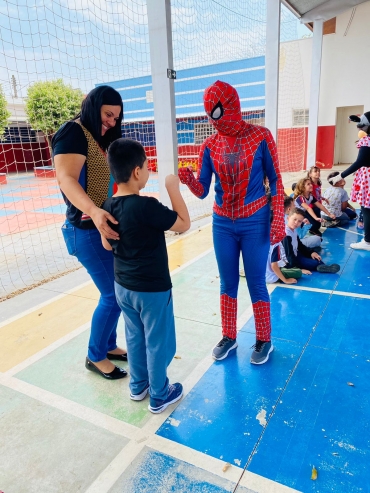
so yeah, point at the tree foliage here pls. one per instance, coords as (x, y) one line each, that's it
(4, 114)
(49, 104)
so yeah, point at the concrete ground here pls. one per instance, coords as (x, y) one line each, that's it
(239, 428)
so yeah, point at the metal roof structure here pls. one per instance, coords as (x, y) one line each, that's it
(319, 10)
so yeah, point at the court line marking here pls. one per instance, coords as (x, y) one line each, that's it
(349, 231)
(110, 475)
(44, 303)
(180, 237)
(325, 291)
(137, 436)
(49, 349)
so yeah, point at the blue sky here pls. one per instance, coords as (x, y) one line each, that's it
(92, 41)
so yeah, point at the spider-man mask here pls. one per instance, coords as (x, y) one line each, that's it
(222, 105)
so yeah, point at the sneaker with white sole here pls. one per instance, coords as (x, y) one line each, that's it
(361, 245)
(222, 349)
(141, 396)
(261, 353)
(157, 406)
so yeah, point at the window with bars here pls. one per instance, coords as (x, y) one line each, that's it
(300, 117)
(202, 131)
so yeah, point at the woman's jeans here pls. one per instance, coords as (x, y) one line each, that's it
(86, 246)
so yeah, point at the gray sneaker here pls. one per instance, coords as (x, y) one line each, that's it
(222, 349)
(261, 352)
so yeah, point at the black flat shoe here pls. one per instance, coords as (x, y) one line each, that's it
(113, 375)
(117, 357)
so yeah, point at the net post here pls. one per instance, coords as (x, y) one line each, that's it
(161, 59)
(272, 65)
(314, 92)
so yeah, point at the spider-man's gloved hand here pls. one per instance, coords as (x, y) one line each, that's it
(187, 177)
(277, 232)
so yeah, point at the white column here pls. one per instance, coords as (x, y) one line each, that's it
(272, 65)
(161, 59)
(314, 92)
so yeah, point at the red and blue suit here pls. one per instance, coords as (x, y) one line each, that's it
(240, 156)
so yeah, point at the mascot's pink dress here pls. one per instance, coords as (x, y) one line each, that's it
(240, 156)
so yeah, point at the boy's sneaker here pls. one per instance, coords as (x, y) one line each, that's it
(222, 349)
(141, 396)
(329, 269)
(174, 394)
(261, 353)
(361, 245)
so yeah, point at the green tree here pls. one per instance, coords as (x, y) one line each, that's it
(4, 114)
(49, 104)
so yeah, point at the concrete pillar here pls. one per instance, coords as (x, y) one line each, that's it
(314, 92)
(161, 59)
(272, 65)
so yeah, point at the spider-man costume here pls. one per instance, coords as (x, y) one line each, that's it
(240, 156)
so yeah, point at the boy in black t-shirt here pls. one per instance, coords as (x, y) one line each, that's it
(142, 278)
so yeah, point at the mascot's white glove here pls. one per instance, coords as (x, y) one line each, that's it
(335, 179)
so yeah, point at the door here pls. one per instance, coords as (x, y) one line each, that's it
(346, 135)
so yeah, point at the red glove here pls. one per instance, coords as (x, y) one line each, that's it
(277, 232)
(186, 177)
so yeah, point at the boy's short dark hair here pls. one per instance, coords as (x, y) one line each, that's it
(334, 173)
(293, 186)
(296, 210)
(288, 202)
(124, 155)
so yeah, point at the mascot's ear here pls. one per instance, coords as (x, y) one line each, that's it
(354, 118)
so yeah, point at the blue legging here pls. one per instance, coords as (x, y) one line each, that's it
(87, 247)
(251, 237)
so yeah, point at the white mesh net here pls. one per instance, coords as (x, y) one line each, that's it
(84, 43)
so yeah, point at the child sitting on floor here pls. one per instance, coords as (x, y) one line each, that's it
(334, 196)
(347, 208)
(276, 267)
(304, 199)
(142, 279)
(314, 175)
(298, 255)
(311, 241)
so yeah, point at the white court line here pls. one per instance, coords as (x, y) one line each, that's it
(44, 352)
(45, 303)
(73, 408)
(192, 261)
(349, 231)
(180, 237)
(325, 291)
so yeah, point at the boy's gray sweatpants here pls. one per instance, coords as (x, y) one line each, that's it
(150, 338)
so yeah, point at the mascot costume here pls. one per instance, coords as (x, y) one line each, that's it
(240, 156)
(360, 190)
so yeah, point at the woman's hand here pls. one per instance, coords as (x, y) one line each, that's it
(319, 219)
(100, 218)
(315, 256)
(332, 216)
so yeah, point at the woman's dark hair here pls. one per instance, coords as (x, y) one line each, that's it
(124, 155)
(90, 115)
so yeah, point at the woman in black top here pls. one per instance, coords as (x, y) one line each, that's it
(79, 150)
